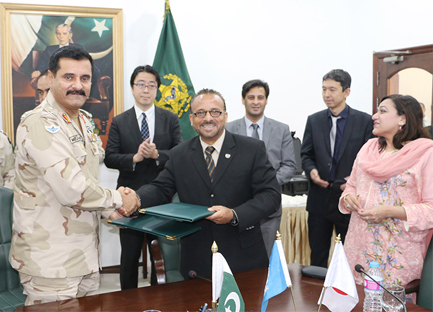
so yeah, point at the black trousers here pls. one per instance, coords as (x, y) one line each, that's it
(131, 242)
(321, 226)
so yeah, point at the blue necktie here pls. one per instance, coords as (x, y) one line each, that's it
(144, 128)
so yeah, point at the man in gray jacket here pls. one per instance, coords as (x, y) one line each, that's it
(278, 142)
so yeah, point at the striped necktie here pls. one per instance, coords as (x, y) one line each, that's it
(209, 161)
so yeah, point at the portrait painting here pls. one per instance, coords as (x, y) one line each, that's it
(31, 34)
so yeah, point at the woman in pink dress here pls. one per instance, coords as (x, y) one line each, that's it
(390, 194)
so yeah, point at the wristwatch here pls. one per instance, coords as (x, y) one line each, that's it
(235, 220)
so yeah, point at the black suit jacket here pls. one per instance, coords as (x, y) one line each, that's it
(244, 180)
(125, 137)
(316, 151)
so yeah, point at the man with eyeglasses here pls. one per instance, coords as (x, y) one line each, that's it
(229, 173)
(278, 141)
(138, 146)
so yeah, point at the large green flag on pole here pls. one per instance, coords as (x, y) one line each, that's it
(176, 90)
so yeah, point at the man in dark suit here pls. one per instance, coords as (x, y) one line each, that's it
(64, 37)
(138, 146)
(332, 139)
(229, 173)
(278, 142)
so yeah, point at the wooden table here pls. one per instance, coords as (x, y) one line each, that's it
(190, 295)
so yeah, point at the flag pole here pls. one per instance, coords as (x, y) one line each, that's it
(293, 297)
(291, 289)
(337, 240)
(214, 249)
(321, 298)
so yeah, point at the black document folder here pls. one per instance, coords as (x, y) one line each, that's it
(178, 211)
(158, 226)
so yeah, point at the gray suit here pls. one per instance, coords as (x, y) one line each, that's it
(279, 147)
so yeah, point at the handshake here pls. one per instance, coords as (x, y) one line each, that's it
(131, 202)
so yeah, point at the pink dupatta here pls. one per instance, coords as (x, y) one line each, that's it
(382, 169)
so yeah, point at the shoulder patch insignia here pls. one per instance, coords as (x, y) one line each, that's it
(52, 128)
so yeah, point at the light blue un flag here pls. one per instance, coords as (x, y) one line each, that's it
(278, 274)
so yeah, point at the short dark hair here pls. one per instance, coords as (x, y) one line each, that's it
(146, 69)
(253, 84)
(413, 129)
(341, 76)
(207, 91)
(70, 51)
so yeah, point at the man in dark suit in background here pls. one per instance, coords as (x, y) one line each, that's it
(64, 37)
(227, 172)
(278, 142)
(138, 146)
(332, 139)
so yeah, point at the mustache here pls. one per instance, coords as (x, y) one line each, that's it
(208, 123)
(79, 92)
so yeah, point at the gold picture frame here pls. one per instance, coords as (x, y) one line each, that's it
(26, 32)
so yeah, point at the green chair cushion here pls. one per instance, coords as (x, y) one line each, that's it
(11, 291)
(425, 295)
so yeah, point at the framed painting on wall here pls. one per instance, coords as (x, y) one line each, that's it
(31, 33)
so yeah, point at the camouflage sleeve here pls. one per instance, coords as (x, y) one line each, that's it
(101, 151)
(8, 170)
(63, 165)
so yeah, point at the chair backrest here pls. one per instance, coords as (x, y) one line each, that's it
(166, 254)
(10, 288)
(425, 295)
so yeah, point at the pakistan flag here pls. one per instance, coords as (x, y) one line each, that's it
(230, 298)
(176, 90)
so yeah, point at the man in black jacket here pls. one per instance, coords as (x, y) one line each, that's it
(138, 146)
(328, 165)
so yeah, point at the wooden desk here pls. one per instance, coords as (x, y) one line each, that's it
(190, 295)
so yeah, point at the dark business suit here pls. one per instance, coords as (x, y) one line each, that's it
(45, 56)
(322, 203)
(279, 147)
(123, 141)
(244, 180)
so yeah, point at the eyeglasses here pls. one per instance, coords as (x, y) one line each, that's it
(213, 113)
(144, 86)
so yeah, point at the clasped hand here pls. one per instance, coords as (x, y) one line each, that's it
(372, 214)
(146, 150)
(130, 201)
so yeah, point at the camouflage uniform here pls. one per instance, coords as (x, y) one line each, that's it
(58, 201)
(7, 162)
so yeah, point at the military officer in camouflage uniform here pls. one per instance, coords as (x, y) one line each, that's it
(7, 162)
(58, 201)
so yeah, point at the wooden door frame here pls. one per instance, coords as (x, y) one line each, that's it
(380, 80)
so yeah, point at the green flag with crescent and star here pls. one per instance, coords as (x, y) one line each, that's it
(230, 298)
(176, 90)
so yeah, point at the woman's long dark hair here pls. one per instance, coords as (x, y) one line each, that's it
(413, 129)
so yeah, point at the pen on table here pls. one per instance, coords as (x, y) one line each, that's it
(204, 307)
